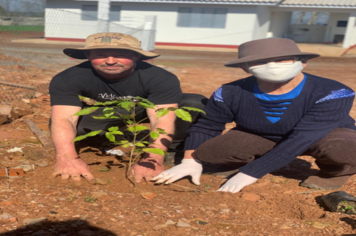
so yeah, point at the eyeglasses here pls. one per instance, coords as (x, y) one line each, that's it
(284, 61)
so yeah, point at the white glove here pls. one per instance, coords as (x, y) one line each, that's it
(190, 167)
(238, 182)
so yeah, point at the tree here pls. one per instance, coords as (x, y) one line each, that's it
(19, 8)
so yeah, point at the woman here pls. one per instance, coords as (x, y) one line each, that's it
(280, 113)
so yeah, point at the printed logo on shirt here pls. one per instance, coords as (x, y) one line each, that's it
(107, 96)
(341, 93)
(218, 95)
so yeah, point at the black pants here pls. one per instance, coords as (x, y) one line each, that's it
(87, 123)
(334, 154)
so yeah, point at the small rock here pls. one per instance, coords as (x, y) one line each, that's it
(170, 222)
(224, 211)
(101, 181)
(35, 153)
(25, 100)
(279, 180)
(157, 227)
(15, 149)
(28, 221)
(5, 216)
(3, 118)
(41, 163)
(5, 110)
(20, 109)
(253, 197)
(146, 212)
(53, 212)
(200, 222)
(38, 94)
(182, 224)
(148, 195)
(26, 168)
(12, 220)
(86, 233)
(183, 220)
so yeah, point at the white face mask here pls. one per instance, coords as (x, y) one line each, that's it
(276, 72)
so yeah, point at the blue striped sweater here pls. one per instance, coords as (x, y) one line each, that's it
(321, 106)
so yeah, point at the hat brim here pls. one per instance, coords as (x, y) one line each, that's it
(79, 53)
(252, 58)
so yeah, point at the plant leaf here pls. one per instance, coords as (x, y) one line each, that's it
(108, 111)
(145, 100)
(125, 117)
(90, 134)
(110, 136)
(154, 151)
(161, 131)
(140, 144)
(193, 109)
(154, 135)
(114, 128)
(126, 145)
(117, 132)
(86, 111)
(145, 105)
(162, 112)
(137, 128)
(121, 142)
(184, 115)
(127, 105)
(104, 118)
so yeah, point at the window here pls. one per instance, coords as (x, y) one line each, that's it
(201, 17)
(114, 13)
(341, 23)
(90, 12)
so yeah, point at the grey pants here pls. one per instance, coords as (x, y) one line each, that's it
(335, 154)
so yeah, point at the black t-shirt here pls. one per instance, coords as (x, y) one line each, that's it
(147, 81)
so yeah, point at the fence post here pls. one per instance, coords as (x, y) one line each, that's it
(149, 33)
(103, 16)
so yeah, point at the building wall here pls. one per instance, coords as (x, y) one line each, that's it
(332, 28)
(307, 33)
(279, 26)
(243, 23)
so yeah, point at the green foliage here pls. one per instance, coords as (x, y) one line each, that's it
(90, 199)
(91, 134)
(103, 170)
(184, 115)
(154, 151)
(127, 106)
(21, 28)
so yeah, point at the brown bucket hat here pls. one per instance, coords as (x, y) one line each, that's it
(269, 48)
(109, 41)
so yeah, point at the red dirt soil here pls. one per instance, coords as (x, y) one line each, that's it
(274, 205)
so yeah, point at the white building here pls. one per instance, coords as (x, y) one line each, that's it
(215, 23)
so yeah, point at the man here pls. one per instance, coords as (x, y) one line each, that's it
(280, 114)
(114, 69)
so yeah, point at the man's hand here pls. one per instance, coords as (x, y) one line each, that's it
(148, 167)
(190, 167)
(72, 168)
(238, 182)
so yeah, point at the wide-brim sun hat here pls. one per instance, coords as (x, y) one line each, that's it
(109, 41)
(264, 49)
